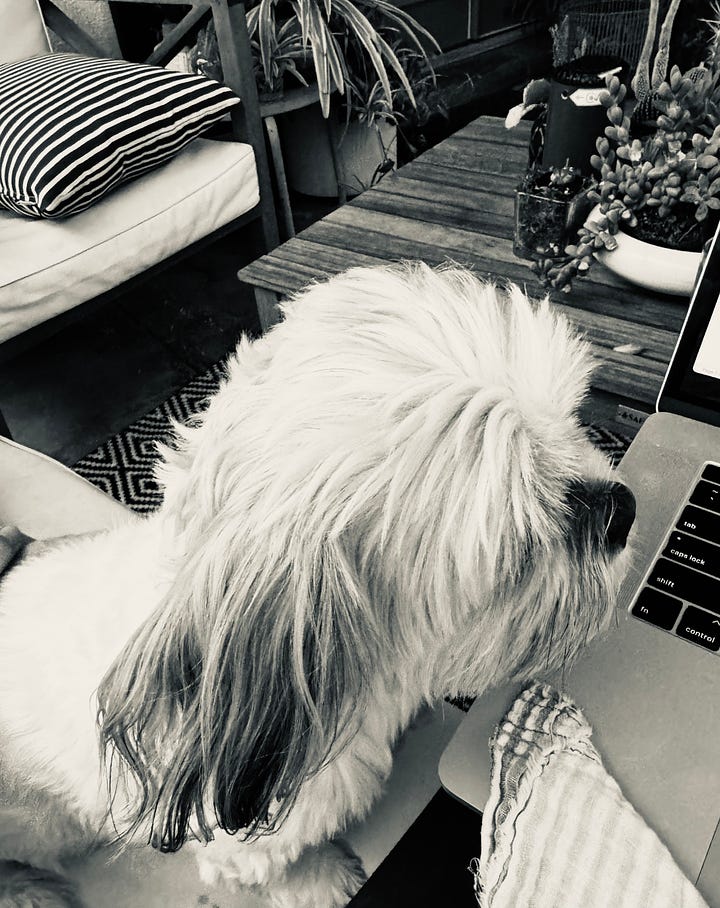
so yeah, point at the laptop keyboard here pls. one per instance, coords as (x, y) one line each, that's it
(682, 591)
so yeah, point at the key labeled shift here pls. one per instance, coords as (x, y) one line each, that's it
(686, 584)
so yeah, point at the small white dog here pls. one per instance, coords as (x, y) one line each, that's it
(389, 500)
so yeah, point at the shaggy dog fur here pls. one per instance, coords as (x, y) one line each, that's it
(389, 500)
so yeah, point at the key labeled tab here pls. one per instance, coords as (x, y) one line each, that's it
(686, 584)
(700, 523)
(657, 608)
(695, 553)
(700, 627)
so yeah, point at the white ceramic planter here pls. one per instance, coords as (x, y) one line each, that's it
(652, 267)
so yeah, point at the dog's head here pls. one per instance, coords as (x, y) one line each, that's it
(390, 492)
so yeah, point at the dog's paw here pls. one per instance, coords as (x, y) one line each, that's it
(323, 877)
(226, 861)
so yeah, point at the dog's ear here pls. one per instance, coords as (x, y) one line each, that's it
(247, 679)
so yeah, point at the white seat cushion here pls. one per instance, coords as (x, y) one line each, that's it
(48, 267)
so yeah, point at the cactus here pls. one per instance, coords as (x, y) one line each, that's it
(641, 79)
(663, 52)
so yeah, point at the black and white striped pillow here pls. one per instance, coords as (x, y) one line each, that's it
(72, 127)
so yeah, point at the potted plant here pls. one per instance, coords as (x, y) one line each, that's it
(546, 210)
(659, 186)
(368, 61)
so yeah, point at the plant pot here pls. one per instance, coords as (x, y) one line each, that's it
(544, 224)
(308, 139)
(653, 267)
(575, 115)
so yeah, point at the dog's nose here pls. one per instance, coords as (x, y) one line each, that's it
(622, 515)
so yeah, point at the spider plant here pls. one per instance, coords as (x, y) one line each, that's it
(284, 50)
(302, 36)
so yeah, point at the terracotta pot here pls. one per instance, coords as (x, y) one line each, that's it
(653, 267)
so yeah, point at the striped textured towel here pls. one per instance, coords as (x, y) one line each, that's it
(557, 831)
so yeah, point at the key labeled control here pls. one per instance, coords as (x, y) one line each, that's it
(700, 627)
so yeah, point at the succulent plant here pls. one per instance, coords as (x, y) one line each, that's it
(556, 181)
(671, 171)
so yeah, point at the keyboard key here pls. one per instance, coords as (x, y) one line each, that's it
(707, 495)
(700, 523)
(657, 608)
(694, 553)
(712, 472)
(686, 584)
(700, 627)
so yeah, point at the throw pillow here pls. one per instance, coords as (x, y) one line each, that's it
(73, 127)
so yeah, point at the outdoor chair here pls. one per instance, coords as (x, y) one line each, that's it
(51, 270)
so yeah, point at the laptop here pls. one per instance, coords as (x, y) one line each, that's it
(650, 687)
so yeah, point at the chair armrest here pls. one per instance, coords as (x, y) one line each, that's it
(46, 499)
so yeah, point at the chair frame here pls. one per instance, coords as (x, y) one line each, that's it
(236, 59)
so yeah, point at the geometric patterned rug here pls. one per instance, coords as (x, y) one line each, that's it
(123, 465)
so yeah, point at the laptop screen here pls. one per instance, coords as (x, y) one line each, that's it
(692, 383)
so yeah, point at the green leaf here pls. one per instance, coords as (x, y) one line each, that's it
(691, 194)
(315, 31)
(615, 115)
(372, 42)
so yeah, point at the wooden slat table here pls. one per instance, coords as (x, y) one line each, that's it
(455, 201)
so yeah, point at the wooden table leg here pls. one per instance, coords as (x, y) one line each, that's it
(267, 307)
(280, 176)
